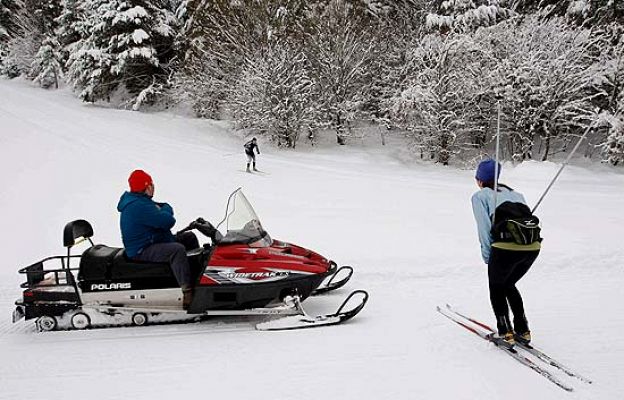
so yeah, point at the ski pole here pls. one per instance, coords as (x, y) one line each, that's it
(496, 161)
(567, 160)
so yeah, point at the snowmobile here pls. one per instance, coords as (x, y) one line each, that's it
(244, 272)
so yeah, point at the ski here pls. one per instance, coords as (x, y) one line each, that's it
(529, 349)
(303, 320)
(549, 360)
(485, 335)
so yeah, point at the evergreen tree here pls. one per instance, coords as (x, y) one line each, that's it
(35, 20)
(129, 46)
(612, 147)
(9, 27)
(46, 68)
(467, 15)
(71, 25)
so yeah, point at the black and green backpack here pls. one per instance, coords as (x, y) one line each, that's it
(515, 223)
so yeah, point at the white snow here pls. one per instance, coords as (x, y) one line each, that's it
(407, 228)
(139, 35)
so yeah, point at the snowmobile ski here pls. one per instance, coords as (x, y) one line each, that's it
(333, 282)
(529, 349)
(488, 335)
(303, 320)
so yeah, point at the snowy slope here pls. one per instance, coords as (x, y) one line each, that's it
(407, 229)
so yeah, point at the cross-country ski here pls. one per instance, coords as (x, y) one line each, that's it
(518, 352)
(529, 348)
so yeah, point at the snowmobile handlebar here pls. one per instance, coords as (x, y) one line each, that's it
(205, 228)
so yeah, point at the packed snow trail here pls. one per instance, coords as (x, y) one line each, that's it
(407, 229)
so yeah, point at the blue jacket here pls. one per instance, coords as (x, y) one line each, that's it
(483, 207)
(144, 222)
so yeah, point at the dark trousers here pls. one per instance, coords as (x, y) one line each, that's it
(173, 253)
(505, 269)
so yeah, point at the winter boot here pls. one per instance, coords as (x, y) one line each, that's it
(505, 336)
(187, 297)
(521, 328)
(254, 167)
(248, 170)
(505, 340)
(523, 338)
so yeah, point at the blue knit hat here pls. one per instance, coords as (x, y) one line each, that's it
(486, 170)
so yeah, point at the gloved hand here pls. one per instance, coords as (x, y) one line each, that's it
(197, 223)
(206, 228)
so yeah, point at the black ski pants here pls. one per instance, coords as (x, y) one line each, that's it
(505, 269)
(173, 253)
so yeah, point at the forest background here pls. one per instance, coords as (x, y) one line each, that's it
(433, 72)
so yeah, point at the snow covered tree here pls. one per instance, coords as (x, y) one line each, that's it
(467, 15)
(71, 26)
(340, 53)
(129, 44)
(8, 24)
(221, 34)
(588, 13)
(437, 106)
(275, 95)
(46, 68)
(612, 147)
(388, 67)
(543, 75)
(32, 21)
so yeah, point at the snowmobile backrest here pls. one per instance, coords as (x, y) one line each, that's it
(76, 231)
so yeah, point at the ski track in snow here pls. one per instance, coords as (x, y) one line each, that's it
(406, 229)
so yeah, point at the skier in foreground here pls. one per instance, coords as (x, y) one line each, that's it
(507, 260)
(145, 231)
(249, 151)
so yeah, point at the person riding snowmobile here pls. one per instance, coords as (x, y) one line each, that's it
(145, 231)
(249, 151)
(507, 261)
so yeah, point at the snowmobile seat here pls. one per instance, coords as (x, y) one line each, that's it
(125, 268)
(96, 263)
(103, 263)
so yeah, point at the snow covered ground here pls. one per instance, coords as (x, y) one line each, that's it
(407, 229)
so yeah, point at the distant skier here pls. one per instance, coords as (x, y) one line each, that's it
(509, 249)
(145, 231)
(249, 151)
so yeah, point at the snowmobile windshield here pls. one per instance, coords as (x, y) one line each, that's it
(241, 223)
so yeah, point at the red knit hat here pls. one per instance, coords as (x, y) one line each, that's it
(139, 180)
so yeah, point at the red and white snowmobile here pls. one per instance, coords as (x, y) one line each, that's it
(243, 272)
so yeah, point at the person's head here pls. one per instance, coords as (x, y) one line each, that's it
(141, 182)
(253, 140)
(486, 172)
